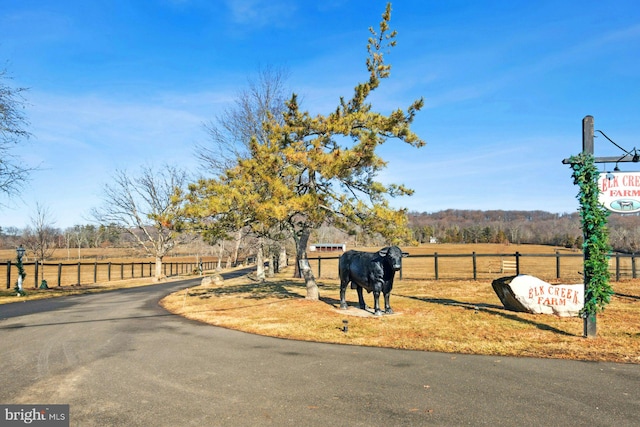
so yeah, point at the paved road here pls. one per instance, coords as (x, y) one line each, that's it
(120, 360)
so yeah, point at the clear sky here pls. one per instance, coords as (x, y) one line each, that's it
(117, 84)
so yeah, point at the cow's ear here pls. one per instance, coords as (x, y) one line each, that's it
(383, 252)
(405, 254)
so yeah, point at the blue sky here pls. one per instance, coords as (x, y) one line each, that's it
(117, 84)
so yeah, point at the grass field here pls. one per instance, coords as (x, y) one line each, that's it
(447, 315)
(453, 316)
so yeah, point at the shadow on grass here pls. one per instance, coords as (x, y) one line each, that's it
(279, 289)
(492, 309)
(335, 303)
(626, 296)
(285, 289)
(252, 290)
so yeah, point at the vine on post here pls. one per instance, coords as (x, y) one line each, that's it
(22, 274)
(596, 245)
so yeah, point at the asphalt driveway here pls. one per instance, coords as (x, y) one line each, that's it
(119, 359)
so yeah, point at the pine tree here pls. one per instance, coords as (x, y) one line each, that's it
(315, 170)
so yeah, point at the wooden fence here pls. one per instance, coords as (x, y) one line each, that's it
(474, 266)
(558, 266)
(83, 273)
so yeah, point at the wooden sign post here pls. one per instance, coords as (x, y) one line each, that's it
(589, 319)
(597, 288)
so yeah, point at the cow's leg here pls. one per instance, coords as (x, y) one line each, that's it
(387, 307)
(377, 289)
(343, 291)
(376, 303)
(361, 303)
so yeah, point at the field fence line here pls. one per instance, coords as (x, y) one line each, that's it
(85, 273)
(476, 266)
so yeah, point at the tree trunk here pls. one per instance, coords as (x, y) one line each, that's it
(282, 259)
(260, 261)
(304, 267)
(236, 249)
(271, 266)
(158, 275)
(220, 253)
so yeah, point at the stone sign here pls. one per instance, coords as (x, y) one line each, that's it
(532, 295)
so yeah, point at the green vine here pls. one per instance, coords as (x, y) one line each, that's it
(596, 245)
(23, 274)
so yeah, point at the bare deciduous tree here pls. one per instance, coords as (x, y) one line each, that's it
(12, 132)
(231, 132)
(143, 206)
(40, 236)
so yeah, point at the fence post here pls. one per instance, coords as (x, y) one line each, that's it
(122, 271)
(633, 266)
(109, 271)
(557, 264)
(79, 273)
(435, 263)
(95, 272)
(475, 270)
(9, 274)
(59, 274)
(617, 267)
(517, 263)
(319, 265)
(35, 275)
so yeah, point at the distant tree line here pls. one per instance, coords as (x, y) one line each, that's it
(447, 226)
(78, 236)
(520, 227)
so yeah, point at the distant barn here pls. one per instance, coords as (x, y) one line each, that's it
(328, 247)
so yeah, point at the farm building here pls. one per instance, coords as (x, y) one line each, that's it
(328, 247)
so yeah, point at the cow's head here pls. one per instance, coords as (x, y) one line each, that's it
(393, 255)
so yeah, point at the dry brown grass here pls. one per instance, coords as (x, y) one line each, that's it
(444, 316)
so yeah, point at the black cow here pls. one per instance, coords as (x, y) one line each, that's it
(371, 271)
